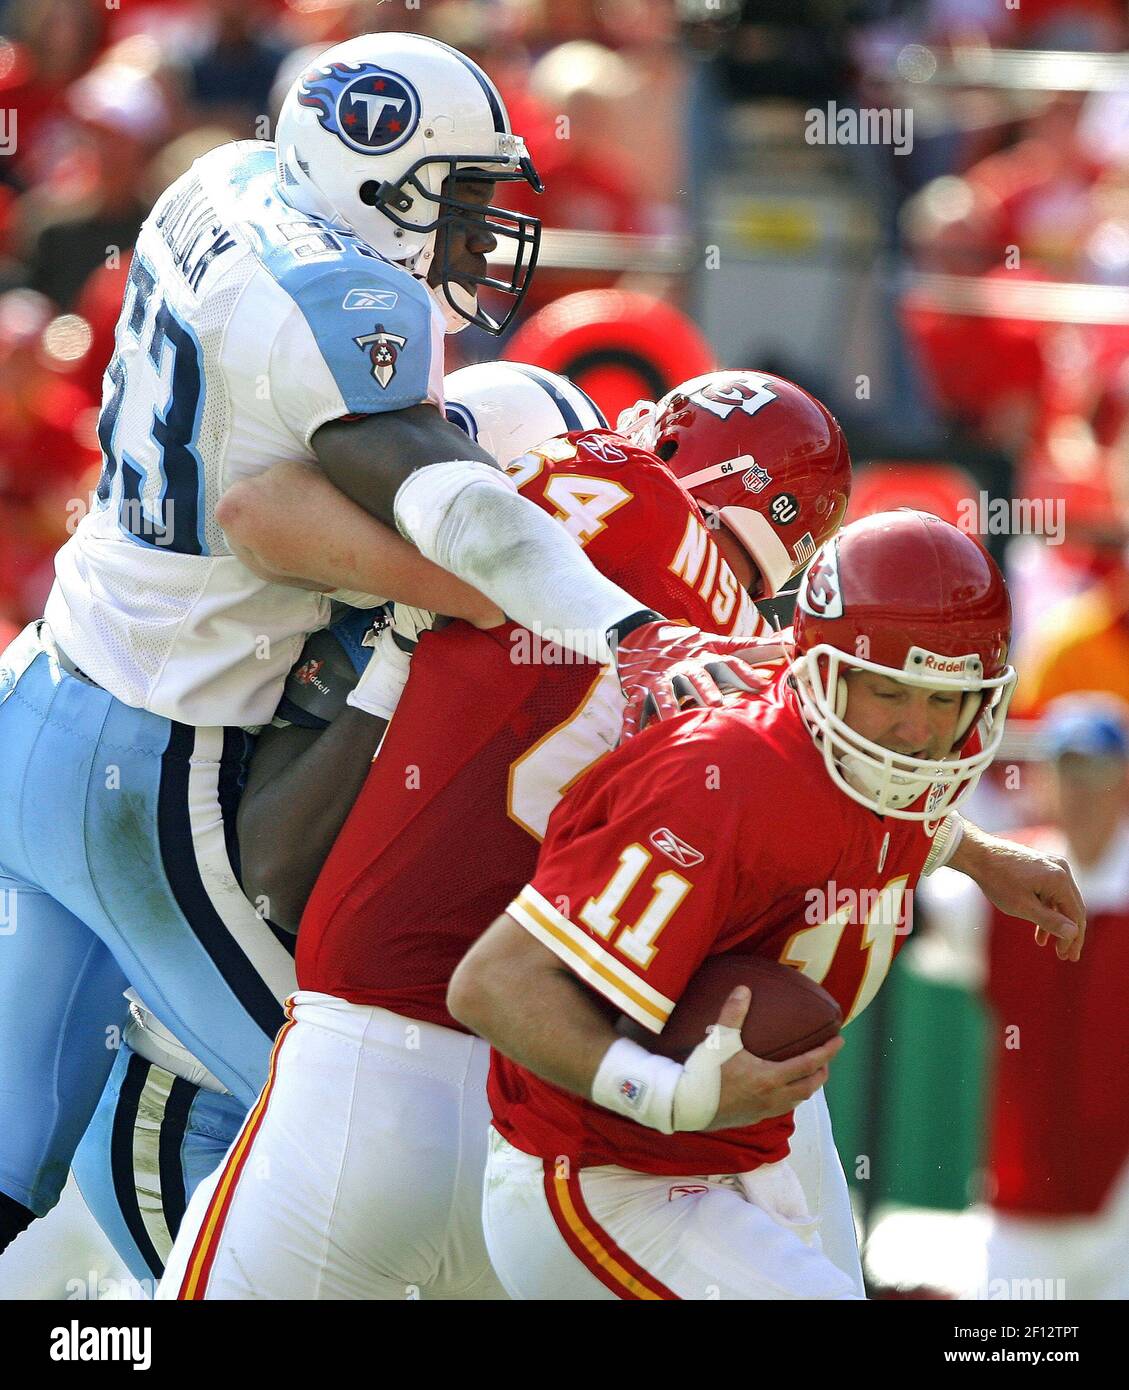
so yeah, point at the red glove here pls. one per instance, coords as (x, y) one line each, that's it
(667, 667)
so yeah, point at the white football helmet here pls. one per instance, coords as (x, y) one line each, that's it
(369, 134)
(510, 408)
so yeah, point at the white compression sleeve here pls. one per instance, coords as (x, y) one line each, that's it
(469, 518)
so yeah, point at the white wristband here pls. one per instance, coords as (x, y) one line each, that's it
(658, 1093)
(382, 682)
(949, 835)
(638, 1084)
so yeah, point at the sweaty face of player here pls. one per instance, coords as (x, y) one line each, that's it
(467, 241)
(920, 723)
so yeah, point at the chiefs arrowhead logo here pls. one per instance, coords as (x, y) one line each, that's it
(669, 844)
(820, 593)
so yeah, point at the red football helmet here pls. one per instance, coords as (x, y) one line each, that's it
(910, 597)
(764, 457)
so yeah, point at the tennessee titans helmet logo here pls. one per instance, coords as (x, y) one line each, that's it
(371, 110)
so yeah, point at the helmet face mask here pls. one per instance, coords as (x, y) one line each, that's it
(396, 199)
(910, 598)
(375, 135)
(877, 777)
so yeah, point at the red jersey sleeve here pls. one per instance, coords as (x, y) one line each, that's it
(638, 874)
(638, 526)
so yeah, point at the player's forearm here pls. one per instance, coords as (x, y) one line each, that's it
(470, 521)
(282, 852)
(292, 525)
(258, 566)
(514, 993)
(447, 496)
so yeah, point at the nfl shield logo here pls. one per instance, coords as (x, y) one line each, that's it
(631, 1090)
(756, 479)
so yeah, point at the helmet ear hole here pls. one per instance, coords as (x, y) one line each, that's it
(368, 192)
(667, 450)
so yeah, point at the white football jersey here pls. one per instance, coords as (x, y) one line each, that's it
(245, 326)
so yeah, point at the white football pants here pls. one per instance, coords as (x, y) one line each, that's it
(1064, 1257)
(358, 1174)
(784, 1231)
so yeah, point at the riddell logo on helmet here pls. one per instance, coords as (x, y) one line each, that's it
(919, 660)
(943, 663)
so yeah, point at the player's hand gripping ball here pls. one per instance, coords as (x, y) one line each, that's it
(789, 1013)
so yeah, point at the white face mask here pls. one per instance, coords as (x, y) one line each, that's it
(877, 777)
(879, 786)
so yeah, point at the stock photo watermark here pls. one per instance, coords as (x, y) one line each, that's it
(847, 125)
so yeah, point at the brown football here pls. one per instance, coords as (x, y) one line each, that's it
(789, 1013)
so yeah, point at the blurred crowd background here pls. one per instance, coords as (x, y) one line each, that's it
(960, 298)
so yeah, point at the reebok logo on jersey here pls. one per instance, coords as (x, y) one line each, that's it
(669, 844)
(606, 450)
(370, 299)
(686, 1189)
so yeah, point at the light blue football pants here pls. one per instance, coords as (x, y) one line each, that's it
(118, 865)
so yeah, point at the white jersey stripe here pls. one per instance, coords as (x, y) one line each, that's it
(266, 955)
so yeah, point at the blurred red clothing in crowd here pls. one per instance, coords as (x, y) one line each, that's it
(976, 364)
(49, 457)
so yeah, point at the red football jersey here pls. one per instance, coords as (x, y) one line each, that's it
(1059, 1123)
(719, 831)
(491, 729)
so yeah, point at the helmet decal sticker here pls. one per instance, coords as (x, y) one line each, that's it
(784, 508)
(820, 594)
(804, 548)
(756, 479)
(724, 395)
(459, 415)
(369, 109)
